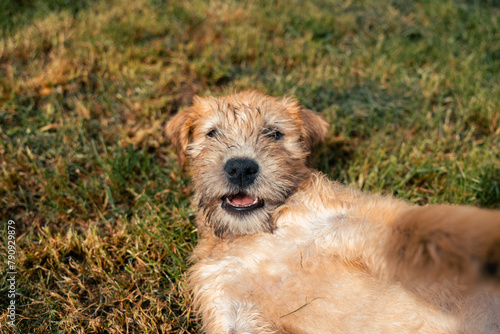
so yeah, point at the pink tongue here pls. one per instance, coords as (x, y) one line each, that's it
(242, 200)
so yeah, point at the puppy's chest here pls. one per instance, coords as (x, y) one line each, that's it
(270, 266)
(293, 251)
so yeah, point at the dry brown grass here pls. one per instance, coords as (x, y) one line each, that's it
(103, 224)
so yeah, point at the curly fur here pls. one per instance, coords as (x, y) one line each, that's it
(320, 257)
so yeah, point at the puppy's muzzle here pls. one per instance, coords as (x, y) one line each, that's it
(241, 172)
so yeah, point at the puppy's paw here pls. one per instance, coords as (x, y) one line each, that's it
(446, 242)
(246, 318)
(491, 265)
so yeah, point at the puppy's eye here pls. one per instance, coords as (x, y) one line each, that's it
(212, 133)
(273, 133)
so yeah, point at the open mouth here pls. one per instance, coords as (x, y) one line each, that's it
(241, 202)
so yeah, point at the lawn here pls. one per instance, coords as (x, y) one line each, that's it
(103, 224)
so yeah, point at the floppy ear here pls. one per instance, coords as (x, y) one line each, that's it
(315, 127)
(178, 130)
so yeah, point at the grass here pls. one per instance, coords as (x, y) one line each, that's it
(103, 222)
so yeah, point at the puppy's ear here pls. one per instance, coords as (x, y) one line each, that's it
(178, 131)
(315, 127)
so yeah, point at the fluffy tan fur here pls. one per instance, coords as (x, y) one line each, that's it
(319, 257)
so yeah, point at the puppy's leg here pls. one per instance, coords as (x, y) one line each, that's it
(216, 289)
(445, 241)
(396, 240)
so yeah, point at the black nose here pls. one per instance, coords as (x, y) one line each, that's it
(241, 172)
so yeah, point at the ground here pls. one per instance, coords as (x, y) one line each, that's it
(102, 220)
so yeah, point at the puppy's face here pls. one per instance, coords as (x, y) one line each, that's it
(247, 154)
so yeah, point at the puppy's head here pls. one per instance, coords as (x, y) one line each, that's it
(247, 154)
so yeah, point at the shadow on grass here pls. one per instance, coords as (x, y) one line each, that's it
(487, 191)
(484, 3)
(331, 158)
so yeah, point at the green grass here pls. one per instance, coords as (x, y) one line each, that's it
(104, 230)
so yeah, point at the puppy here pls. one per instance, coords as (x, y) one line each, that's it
(283, 249)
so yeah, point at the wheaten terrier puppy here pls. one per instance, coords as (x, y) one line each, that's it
(283, 249)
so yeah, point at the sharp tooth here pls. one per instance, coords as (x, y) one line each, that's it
(255, 201)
